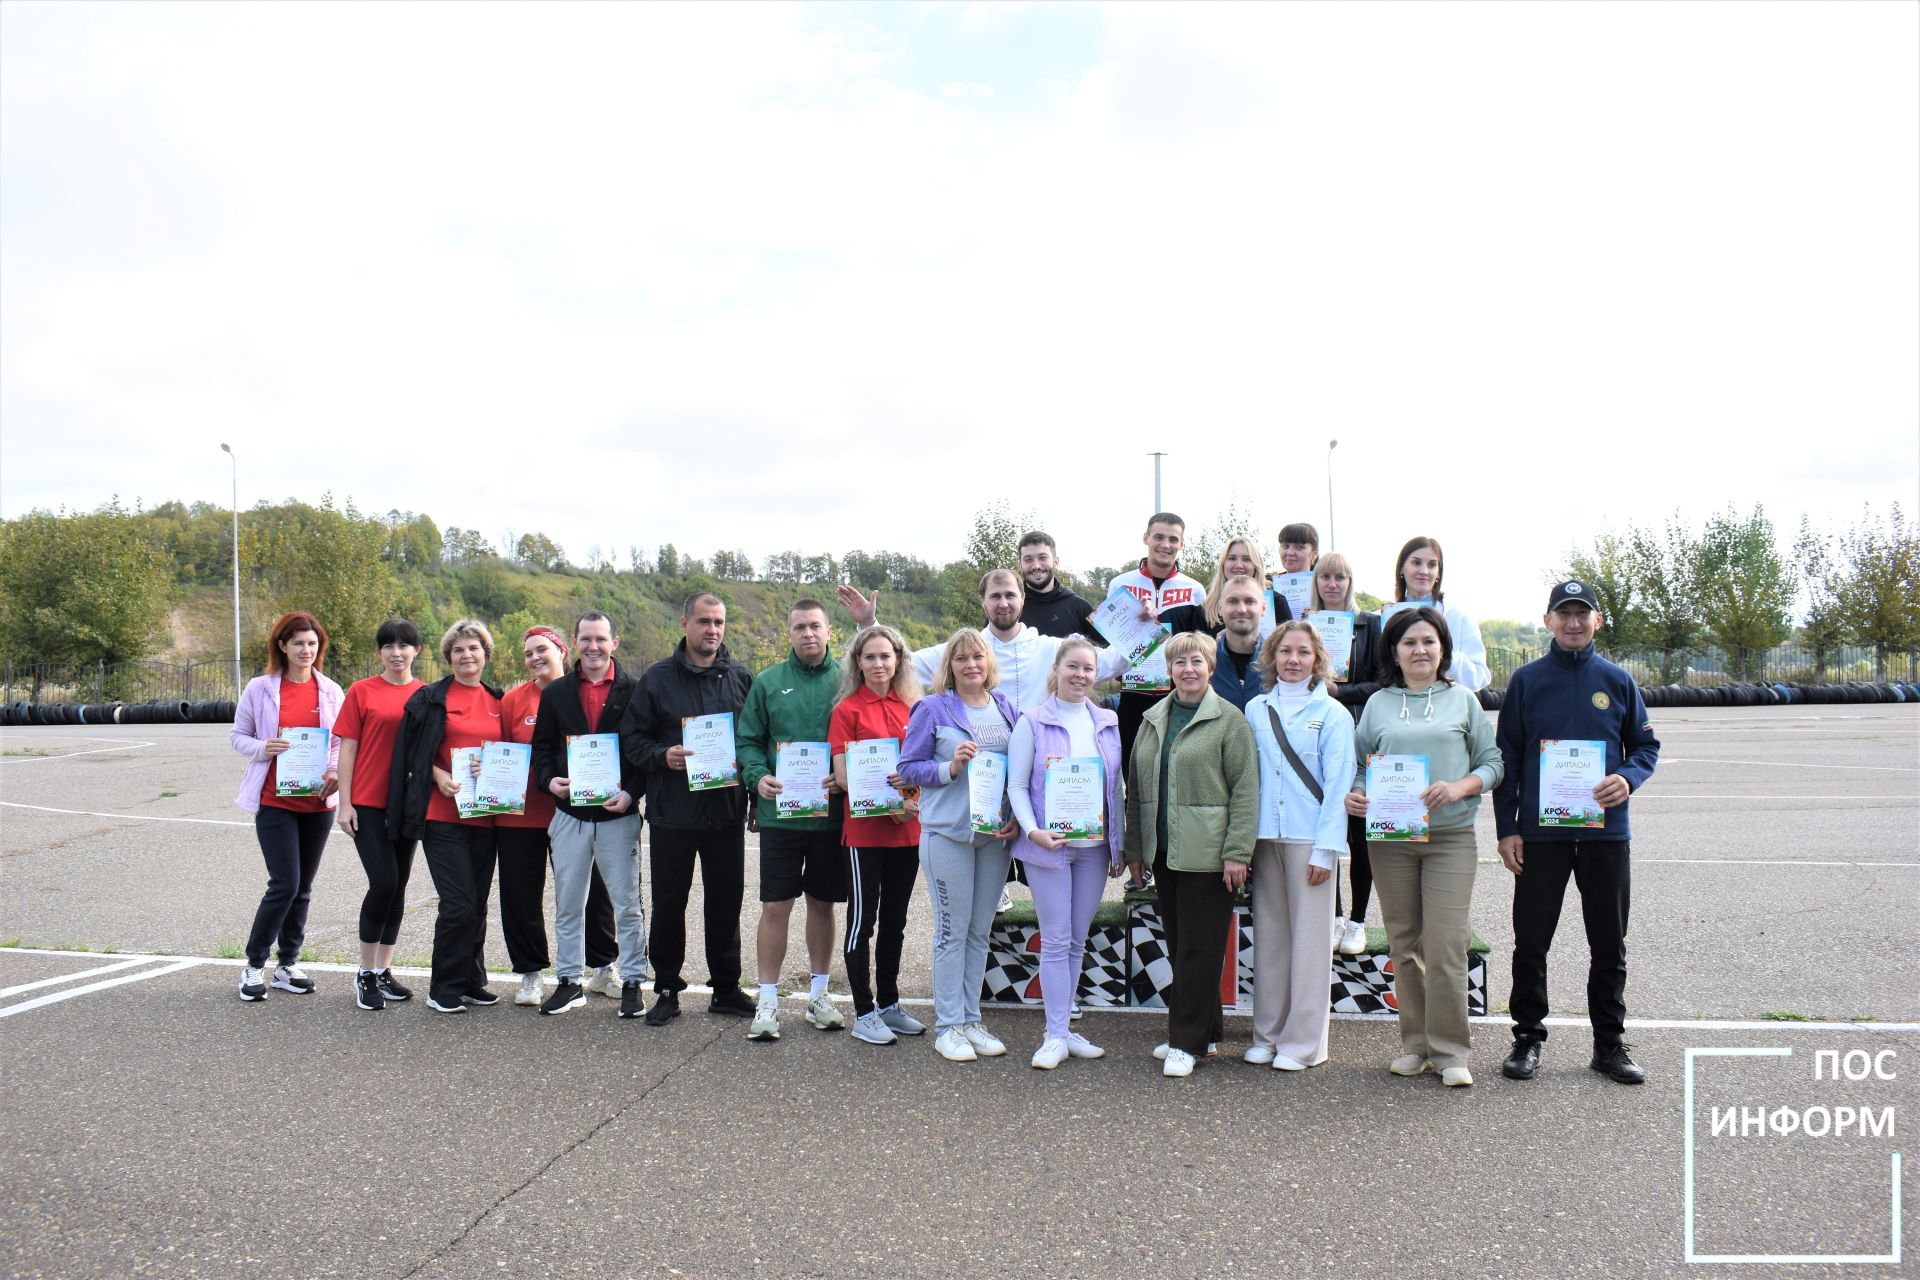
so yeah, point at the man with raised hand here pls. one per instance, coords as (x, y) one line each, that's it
(699, 678)
(592, 698)
(1051, 608)
(1555, 708)
(1159, 586)
(791, 701)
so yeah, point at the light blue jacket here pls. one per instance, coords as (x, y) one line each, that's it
(1321, 734)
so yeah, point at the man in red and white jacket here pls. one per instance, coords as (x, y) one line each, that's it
(1159, 585)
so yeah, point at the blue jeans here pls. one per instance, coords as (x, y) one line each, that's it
(578, 847)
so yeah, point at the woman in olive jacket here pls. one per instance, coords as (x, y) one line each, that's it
(1193, 811)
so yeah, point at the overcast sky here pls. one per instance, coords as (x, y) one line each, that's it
(833, 276)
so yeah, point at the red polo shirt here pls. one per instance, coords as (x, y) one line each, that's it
(864, 715)
(593, 695)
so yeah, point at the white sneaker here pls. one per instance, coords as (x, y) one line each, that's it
(902, 1022)
(1006, 903)
(822, 1013)
(766, 1020)
(984, 1042)
(1179, 1063)
(1455, 1077)
(1351, 940)
(873, 1029)
(253, 984)
(288, 977)
(605, 982)
(1081, 1047)
(1259, 1055)
(1161, 1051)
(531, 987)
(1281, 1062)
(950, 1044)
(1051, 1053)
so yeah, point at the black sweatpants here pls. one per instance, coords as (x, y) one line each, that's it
(880, 893)
(1360, 868)
(389, 865)
(460, 857)
(1601, 870)
(292, 844)
(722, 855)
(1196, 907)
(523, 896)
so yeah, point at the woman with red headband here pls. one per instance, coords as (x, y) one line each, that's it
(522, 837)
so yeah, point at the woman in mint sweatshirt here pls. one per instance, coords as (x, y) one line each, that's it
(1426, 886)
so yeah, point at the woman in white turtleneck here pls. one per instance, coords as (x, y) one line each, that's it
(1301, 837)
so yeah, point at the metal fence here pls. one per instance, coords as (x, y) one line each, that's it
(1710, 665)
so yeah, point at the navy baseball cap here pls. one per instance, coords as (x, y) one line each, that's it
(1572, 591)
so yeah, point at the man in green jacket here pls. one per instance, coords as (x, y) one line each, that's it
(790, 702)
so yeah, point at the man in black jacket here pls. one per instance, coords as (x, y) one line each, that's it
(1050, 608)
(700, 678)
(592, 698)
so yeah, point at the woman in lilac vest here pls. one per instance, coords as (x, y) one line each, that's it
(1067, 876)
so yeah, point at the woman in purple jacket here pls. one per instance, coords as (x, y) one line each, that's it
(290, 822)
(961, 720)
(1067, 875)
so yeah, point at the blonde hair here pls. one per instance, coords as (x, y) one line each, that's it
(461, 630)
(1218, 587)
(1330, 562)
(1192, 642)
(905, 686)
(1067, 646)
(962, 642)
(1268, 663)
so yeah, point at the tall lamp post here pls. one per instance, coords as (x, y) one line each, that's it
(1156, 480)
(1331, 541)
(234, 459)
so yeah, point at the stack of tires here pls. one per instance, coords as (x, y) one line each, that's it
(99, 713)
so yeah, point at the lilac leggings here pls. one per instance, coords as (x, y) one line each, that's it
(1065, 899)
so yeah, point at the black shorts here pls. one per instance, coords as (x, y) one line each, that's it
(797, 862)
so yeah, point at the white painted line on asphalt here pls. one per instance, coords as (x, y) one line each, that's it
(70, 977)
(132, 817)
(130, 746)
(1731, 795)
(1794, 764)
(1765, 862)
(57, 996)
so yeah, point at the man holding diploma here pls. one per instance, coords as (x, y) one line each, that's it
(700, 678)
(1560, 712)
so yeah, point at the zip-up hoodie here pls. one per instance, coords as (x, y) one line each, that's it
(259, 711)
(1578, 695)
(672, 690)
(1321, 733)
(1053, 741)
(1025, 662)
(789, 702)
(937, 727)
(1164, 596)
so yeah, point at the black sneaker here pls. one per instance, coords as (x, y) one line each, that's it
(253, 984)
(288, 977)
(734, 1004)
(631, 1006)
(484, 997)
(567, 994)
(366, 991)
(453, 1007)
(1613, 1062)
(390, 988)
(1523, 1062)
(666, 1007)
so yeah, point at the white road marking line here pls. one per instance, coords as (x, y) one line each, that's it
(57, 996)
(1767, 862)
(131, 817)
(70, 977)
(1793, 764)
(1735, 795)
(129, 746)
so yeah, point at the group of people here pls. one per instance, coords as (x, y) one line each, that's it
(1242, 767)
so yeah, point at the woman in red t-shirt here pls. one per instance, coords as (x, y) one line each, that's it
(877, 692)
(368, 726)
(292, 828)
(522, 837)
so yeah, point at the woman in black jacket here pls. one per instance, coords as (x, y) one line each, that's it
(1333, 589)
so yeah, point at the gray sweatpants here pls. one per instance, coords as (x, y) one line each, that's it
(964, 879)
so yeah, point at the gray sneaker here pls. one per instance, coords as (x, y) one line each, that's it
(766, 1020)
(872, 1028)
(822, 1013)
(902, 1021)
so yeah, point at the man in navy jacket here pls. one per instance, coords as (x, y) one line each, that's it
(1571, 694)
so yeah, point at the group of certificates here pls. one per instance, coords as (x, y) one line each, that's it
(1118, 621)
(1569, 771)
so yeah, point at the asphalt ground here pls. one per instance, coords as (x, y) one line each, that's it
(154, 1125)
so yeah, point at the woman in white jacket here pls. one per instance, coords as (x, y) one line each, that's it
(1303, 829)
(1416, 581)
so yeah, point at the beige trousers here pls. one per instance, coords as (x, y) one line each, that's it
(1425, 891)
(1292, 952)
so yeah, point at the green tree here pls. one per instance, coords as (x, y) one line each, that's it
(1203, 549)
(331, 562)
(539, 552)
(86, 588)
(1741, 586)
(1878, 586)
(1659, 565)
(1608, 569)
(492, 591)
(1823, 627)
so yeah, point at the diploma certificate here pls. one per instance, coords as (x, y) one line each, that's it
(502, 784)
(1134, 637)
(1076, 798)
(802, 769)
(466, 800)
(1150, 676)
(593, 767)
(1336, 632)
(1392, 607)
(869, 763)
(710, 756)
(1296, 589)
(987, 792)
(1395, 810)
(1569, 770)
(301, 769)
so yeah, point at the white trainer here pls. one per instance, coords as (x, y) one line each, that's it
(605, 982)
(950, 1044)
(1352, 938)
(1080, 1047)
(1281, 1062)
(1259, 1055)
(984, 1042)
(532, 985)
(1051, 1053)
(1179, 1063)
(1160, 1051)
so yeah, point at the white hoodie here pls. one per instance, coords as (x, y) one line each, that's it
(1025, 662)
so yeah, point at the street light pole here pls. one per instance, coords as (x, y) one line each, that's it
(234, 459)
(1331, 541)
(1156, 481)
